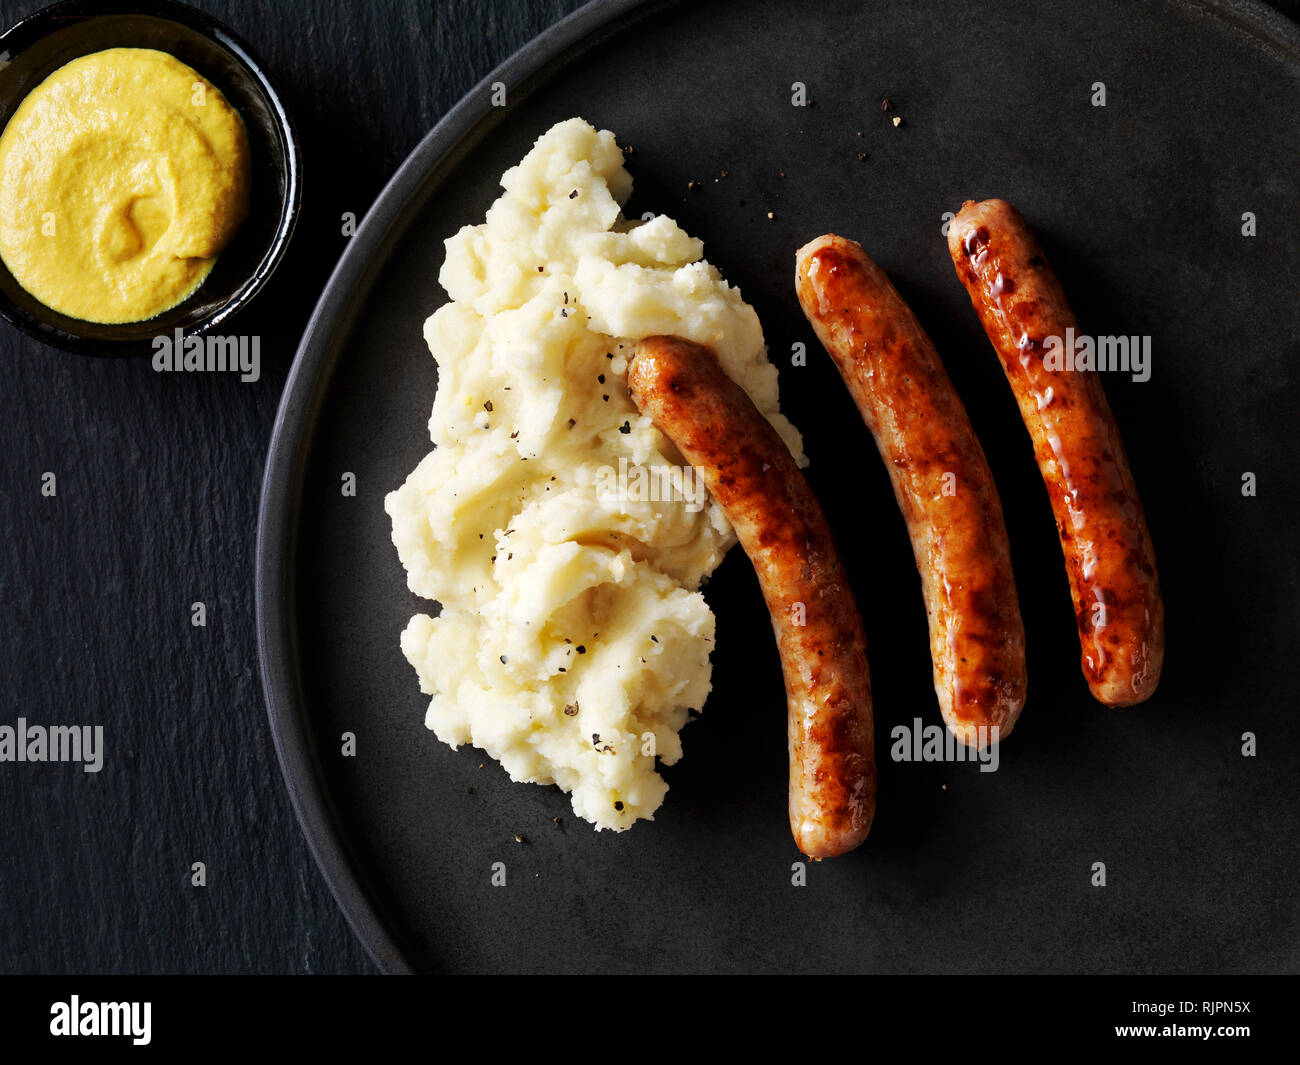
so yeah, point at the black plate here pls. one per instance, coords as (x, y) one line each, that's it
(38, 45)
(1139, 204)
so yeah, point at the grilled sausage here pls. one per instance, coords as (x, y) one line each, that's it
(941, 480)
(750, 472)
(1108, 554)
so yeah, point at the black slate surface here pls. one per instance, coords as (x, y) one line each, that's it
(158, 480)
(156, 505)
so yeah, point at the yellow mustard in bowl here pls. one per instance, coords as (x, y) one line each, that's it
(122, 175)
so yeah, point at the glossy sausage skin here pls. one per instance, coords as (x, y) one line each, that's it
(780, 524)
(1108, 553)
(941, 480)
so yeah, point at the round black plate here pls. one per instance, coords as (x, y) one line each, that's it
(1140, 206)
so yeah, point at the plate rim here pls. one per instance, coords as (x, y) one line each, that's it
(283, 477)
(280, 502)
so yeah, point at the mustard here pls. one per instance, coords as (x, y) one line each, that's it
(122, 176)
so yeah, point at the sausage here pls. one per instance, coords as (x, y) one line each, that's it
(681, 387)
(1109, 558)
(941, 480)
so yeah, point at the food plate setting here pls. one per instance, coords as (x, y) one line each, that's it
(747, 487)
(983, 182)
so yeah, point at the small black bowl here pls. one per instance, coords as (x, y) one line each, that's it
(41, 43)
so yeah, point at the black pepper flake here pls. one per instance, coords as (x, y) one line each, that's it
(582, 650)
(605, 398)
(556, 821)
(503, 660)
(886, 104)
(488, 406)
(563, 313)
(571, 710)
(514, 435)
(566, 299)
(693, 186)
(519, 837)
(618, 805)
(600, 378)
(469, 791)
(595, 739)
(572, 423)
(625, 428)
(573, 195)
(654, 639)
(563, 670)
(541, 269)
(609, 354)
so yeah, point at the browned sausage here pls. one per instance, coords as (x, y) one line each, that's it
(1108, 552)
(941, 480)
(751, 473)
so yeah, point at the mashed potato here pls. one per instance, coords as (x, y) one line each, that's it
(573, 640)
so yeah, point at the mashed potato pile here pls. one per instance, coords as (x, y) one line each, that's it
(552, 522)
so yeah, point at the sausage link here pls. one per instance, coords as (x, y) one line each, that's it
(1108, 554)
(681, 387)
(941, 480)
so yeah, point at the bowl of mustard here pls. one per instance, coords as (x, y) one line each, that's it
(150, 177)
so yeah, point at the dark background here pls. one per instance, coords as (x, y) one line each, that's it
(158, 481)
